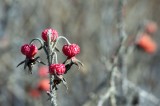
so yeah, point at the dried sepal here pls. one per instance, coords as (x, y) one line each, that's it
(39, 61)
(30, 62)
(21, 63)
(68, 66)
(77, 62)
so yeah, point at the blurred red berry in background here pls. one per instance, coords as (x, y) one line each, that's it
(151, 27)
(147, 43)
(43, 71)
(34, 93)
(44, 85)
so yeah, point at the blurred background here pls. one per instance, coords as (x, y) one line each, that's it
(93, 25)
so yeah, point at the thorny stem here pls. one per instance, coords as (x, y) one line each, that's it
(49, 57)
(52, 58)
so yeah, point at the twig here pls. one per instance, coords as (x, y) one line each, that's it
(123, 36)
(143, 93)
(112, 89)
(128, 84)
(104, 97)
(118, 57)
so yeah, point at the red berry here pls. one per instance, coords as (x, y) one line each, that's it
(58, 68)
(54, 34)
(33, 51)
(29, 50)
(25, 49)
(71, 50)
(44, 85)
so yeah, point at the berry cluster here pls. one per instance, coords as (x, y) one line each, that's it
(145, 41)
(49, 41)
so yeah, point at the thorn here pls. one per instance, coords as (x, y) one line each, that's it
(48, 93)
(41, 62)
(57, 49)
